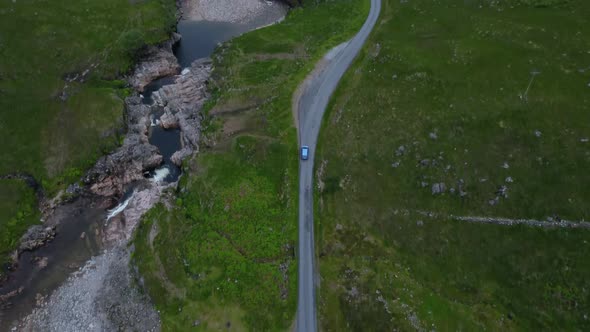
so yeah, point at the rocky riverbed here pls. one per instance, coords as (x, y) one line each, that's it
(101, 296)
(234, 11)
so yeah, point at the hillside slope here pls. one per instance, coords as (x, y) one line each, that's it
(458, 109)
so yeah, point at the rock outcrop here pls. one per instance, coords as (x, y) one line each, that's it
(182, 102)
(168, 120)
(157, 61)
(35, 237)
(129, 162)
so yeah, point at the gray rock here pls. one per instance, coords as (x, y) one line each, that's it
(168, 121)
(538, 133)
(395, 164)
(438, 188)
(433, 136)
(502, 191)
(184, 100)
(128, 163)
(400, 151)
(125, 165)
(180, 155)
(157, 61)
(74, 189)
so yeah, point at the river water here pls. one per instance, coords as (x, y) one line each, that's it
(80, 222)
(199, 39)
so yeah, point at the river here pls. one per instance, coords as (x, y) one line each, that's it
(81, 223)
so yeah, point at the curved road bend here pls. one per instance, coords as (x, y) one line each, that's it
(312, 105)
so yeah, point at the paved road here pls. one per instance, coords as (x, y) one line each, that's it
(312, 105)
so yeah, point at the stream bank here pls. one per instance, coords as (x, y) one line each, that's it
(81, 280)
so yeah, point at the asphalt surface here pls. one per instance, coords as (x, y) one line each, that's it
(312, 106)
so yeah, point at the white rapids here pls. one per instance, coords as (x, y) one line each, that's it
(119, 208)
(160, 174)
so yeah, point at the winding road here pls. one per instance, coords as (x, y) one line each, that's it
(311, 107)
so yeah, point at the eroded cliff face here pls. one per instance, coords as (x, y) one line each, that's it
(129, 162)
(155, 62)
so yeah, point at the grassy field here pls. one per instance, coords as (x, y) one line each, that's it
(224, 254)
(43, 46)
(18, 211)
(491, 100)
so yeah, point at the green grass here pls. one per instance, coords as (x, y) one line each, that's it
(225, 252)
(18, 211)
(42, 43)
(426, 71)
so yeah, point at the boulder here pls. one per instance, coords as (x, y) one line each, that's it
(168, 121)
(438, 188)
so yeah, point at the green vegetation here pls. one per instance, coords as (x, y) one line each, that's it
(52, 128)
(18, 211)
(224, 254)
(480, 95)
(42, 45)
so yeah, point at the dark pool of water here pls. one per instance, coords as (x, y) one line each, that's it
(168, 141)
(155, 86)
(199, 38)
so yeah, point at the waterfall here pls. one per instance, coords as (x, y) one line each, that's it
(119, 208)
(160, 174)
